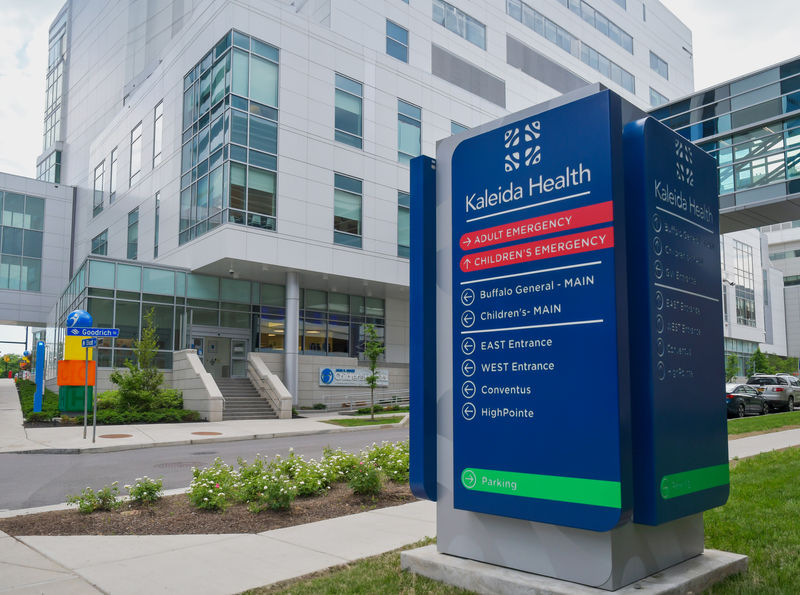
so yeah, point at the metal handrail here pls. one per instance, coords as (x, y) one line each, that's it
(357, 400)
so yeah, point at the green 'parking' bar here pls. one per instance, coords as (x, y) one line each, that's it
(696, 480)
(576, 490)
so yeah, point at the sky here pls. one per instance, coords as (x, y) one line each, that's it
(730, 38)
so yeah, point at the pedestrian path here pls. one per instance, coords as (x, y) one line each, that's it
(200, 564)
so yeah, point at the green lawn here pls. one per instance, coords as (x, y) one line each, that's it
(761, 520)
(763, 423)
(380, 574)
(349, 423)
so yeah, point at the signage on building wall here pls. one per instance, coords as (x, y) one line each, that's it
(351, 377)
(676, 322)
(536, 391)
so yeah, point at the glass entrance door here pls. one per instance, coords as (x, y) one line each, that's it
(239, 358)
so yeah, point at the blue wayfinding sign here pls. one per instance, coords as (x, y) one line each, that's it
(89, 342)
(538, 274)
(679, 428)
(93, 332)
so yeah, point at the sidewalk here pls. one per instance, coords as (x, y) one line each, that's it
(14, 438)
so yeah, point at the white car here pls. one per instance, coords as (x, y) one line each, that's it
(778, 390)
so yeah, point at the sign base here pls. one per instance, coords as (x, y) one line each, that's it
(694, 575)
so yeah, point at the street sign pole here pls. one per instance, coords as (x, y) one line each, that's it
(85, 392)
(94, 403)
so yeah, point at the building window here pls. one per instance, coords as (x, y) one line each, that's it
(57, 56)
(537, 22)
(112, 174)
(348, 118)
(456, 128)
(158, 133)
(229, 157)
(459, 22)
(49, 170)
(745, 284)
(98, 188)
(409, 131)
(725, 301)
(599, 21)
(622, 3)
(136, 153)
(657, 98)
(396, 41)
(403, 224)
(347, 211)
(659, 65)
(607, 68)
(133, 234)
(333, 323)
(155, 225)
(21, 234)
(100, 244)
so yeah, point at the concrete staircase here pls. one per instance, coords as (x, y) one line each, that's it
(242, 400)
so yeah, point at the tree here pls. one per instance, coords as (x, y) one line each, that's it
(731, 367)
(373, 348)
(140, 384)
(758, 363)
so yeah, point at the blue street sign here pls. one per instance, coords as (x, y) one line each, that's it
(89, 342)
(678, 365)
(536, 273)
(79, 318)
(93, 332)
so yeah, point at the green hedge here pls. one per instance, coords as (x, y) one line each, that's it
(115, 417)
(26, 389)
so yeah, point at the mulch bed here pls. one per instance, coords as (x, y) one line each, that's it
(174, 515)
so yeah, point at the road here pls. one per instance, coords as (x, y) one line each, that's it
(30, 480)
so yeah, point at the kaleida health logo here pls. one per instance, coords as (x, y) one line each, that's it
(683, 163)
(522, 147)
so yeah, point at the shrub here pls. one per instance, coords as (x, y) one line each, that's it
(89, 500)
(250, 479)
(340, 463)
(319, 406)
(391, 458)
(40, 416)
(309, 477)
(277, 493)
(365, 480)
(118, 417)
(169, 398)
(212, 487)
(108, 400)
(139, 384)
(366, 410)
(145, 490)
(26, 390)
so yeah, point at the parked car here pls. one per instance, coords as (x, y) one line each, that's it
(778, 391)
(795, 382)
(743, 399)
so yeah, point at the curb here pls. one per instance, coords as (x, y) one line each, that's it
(209, 439)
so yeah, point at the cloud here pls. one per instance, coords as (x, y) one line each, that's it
(23, 67)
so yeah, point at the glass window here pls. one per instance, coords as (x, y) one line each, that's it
(136, 153)
(158, 281)
(459, 23)
(409, 131)
(607, 68)
(657, 98)
(260, 191)
(235, 290)
(101, 274)
(347, 211)
(203, 287)
(241, 73)
(158, 133)
(98, 188)
(133, 234)
(113, 174)
(348, 117)
(12, 241)
(156, 224)
(263, 135)
(13, 210)
(263, 81)
(403, 224)
(100, 244)
(396, 41)
(34, 213)
(745, 284)
(10, 271)
(129, 278)
(456, 128)
(659, 65)
(543, 26)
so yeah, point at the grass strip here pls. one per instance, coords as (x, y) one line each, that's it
(349, 423)
(763, 423)
(379, 574)
(761, 520)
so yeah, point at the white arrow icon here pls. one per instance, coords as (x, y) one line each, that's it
(468, 346)
(468, 318)
(467, 263)
(468, 411)
(466, 241)
(468, 368)
(468, 389)
(467, 297)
